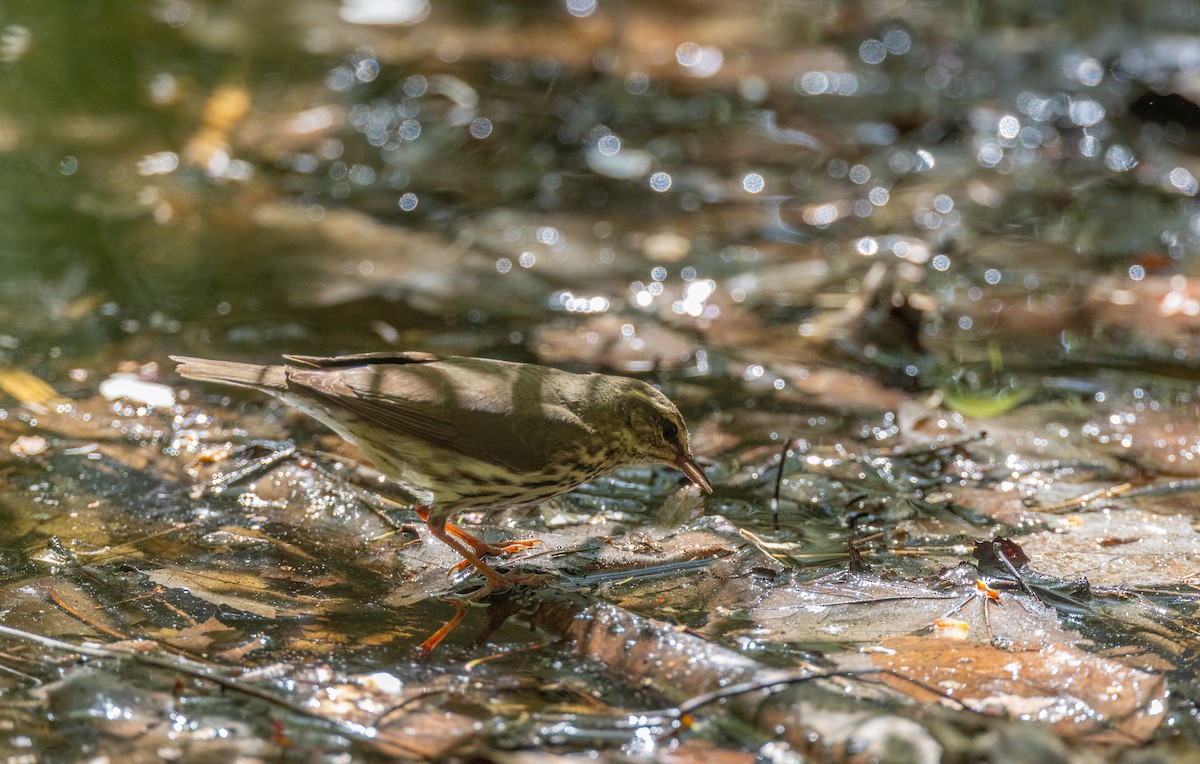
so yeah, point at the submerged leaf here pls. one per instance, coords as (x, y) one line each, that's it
(195, 638)
(243, 591)
(981, 405)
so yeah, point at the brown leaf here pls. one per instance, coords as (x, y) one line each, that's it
(1166, 442)
(193, 639)
(1078, 694)
(28, 389)
(1154, 550)
(236, 590)
(850, 608)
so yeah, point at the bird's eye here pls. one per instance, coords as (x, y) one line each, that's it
(670, 431)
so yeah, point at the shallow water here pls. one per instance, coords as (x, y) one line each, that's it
(912, 274)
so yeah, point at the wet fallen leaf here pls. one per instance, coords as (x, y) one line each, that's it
(27, 388)
(839, 389)
(238, 537)
(1166, 442)
(983, 405)
(77, 601)
(1033, 436)
(246, 592)
(1079, 694)
(377, 258)
(1159, 312)
(405, 708)
(319, 638)
(1003, 502)
(1154, 550)
(195, 638)
(858, 608)
(99, 698)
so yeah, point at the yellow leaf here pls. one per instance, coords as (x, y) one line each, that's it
(27, 388)
(985, 406)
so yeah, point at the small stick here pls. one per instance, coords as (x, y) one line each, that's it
(92, 623)
(783, 453)
(1087, 498)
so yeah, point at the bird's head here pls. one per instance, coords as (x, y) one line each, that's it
(654, 432)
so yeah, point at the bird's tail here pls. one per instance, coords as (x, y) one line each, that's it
(231, 373)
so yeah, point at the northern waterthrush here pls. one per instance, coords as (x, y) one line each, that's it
(457, 433)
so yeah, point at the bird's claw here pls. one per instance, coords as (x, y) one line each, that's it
(508, 547)
(485, 549)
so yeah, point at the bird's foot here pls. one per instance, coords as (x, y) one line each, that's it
(484, 549)
(476, 599)
(435, 639)
(473, 550)
(513, 546)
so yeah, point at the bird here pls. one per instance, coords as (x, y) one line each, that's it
(454, 433)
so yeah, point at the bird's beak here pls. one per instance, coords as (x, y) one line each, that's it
(688, 466)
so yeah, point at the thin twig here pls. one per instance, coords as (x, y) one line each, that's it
(254, 465)
(1007, 563)
(405, 703)
(681, 712)
(783, 454)
(74, 613)
(1087, 498)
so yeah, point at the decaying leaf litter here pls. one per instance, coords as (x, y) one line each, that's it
(290, 559)
(940, 364)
